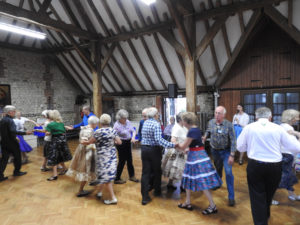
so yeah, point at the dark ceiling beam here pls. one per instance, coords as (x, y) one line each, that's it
(184, 7)
(22, 48)
(290, 13)
(249, 28)
(108, 56)
(45, 6)
(282, 22)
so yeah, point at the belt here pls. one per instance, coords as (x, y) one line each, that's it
(197, 149)
(58, 135)
(261, 162)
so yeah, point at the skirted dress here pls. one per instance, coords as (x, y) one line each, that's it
(82, 166)
(106, 155)
(199, 173)
(58, 150)
(24, 146)
(173, 161)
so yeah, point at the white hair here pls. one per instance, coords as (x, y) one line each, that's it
(145, 110)
(9, 108)
(105, 119)
(122, 114)
(151, 112)
(86, 107)
(289, 115)
(263, 112)
(93, 120)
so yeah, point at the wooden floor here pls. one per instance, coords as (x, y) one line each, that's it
(33, 200)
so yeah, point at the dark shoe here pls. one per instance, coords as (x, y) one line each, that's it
(231, 202)
(63, 172)
(83, 193)
(120, 181)
(18, 174)
(171, 187)
(182, 189)
(45, 169)
(3, 179)
(186, 206)
(133, 179)
(146, 201)
(157, 193)
(94, 183)
(210, 210)
(52, 178)
(215, 188)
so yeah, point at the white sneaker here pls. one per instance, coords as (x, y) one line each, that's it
(294, 197)
(110, 202)
(274, 202)
(99, 195)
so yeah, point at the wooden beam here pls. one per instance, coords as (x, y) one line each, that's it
(97, 79)
(241, 21)
(44, 6)
(290, 13)
(108, 56)
(180, 26)
(211, 33)
(202, 78)
(22, 48)
(282, 22)
(173, 42)
(251, 24)
(117, 80)
(190, 87)
(17, 13)
(184, 7)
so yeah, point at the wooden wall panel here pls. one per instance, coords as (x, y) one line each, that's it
(229, 99)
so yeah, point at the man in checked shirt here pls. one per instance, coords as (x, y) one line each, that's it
(223, 147)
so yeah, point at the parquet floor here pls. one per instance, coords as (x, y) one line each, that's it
(31, 200)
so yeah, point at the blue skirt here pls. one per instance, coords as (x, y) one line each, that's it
(24, 146)
(199, 173)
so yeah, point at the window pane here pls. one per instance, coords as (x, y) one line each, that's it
(259, 106)
(293, 106)
(278, 108)
(261, 98)
(249, 109)
(292, 97)
(278, 97)
(252, 117)
(248, 99)
(277, 119)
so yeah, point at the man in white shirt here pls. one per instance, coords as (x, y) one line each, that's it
(262, 140)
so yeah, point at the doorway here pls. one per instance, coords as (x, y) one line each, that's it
(173, 106)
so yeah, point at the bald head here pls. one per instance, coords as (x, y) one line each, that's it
(220, 113)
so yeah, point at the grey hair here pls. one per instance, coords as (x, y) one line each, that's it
(263, 112)
(145, 110)
(289, 115)
(87, 107)
(224, 110)
(151, 112)
(93, 120)
(9, 108)
(105, 119)
(122, 114)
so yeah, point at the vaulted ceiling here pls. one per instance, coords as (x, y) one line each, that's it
(142, 47)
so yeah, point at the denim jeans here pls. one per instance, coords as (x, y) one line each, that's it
(221, 159)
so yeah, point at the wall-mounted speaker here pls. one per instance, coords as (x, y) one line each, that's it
(172, 90)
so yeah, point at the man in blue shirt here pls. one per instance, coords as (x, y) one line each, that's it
(87, 113)
(152, 154)
(144, 115)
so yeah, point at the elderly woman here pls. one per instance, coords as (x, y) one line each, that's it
(288, 178)
(152, 154)
(199, 173)
(173, 161)
(58, 152)
(82, 167)
(106, 157)
(127, 133)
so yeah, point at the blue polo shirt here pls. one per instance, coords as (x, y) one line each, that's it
(85, 121)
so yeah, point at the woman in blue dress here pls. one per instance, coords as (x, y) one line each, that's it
(199, 173)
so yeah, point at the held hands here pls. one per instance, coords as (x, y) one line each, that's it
(231, 160)
(203, 139)
(133, 140)
(69, 127)
(29, 132)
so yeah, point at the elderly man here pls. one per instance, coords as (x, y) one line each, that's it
(168, 129)
(144, 115)
(152, 154)
(87, 113)
(262, 140)
(223, 147)
(9, 143)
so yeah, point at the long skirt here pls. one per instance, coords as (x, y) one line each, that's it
(24, 146)
(46, 148)
(82, 166)
(199, 173)
(288, 177)
(173, 164)
(58, 151)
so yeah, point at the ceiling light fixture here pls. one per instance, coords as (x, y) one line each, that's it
(21, 30)
(148, 2)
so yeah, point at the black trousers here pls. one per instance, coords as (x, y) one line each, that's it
(263, 180)
(151, 172)
(14, 149)
(125, 155)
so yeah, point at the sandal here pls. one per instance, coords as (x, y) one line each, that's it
(45, 169)
(83, 193)
(210, 210)
(52, 178)
(186, 206)
(111, 202)
(63, 172)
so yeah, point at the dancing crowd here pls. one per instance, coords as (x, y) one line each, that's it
(103, 151)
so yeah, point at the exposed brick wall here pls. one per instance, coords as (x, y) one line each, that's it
(37, 84)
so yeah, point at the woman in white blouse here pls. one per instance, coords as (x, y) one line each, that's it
(239, 121)
(173, 161)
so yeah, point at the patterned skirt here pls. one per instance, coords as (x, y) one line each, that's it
(58, 150)
(24, 146)
(288, 177)
(199, 173)
(173, 164)
(82, 166)
(46, 147)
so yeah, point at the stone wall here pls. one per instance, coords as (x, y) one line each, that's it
(37, 84)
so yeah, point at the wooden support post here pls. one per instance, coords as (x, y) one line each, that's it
(97, 79)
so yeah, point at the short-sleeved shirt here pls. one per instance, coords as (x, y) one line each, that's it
(56, 128)
(196, 134)
(124, 131)
(20, 123)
